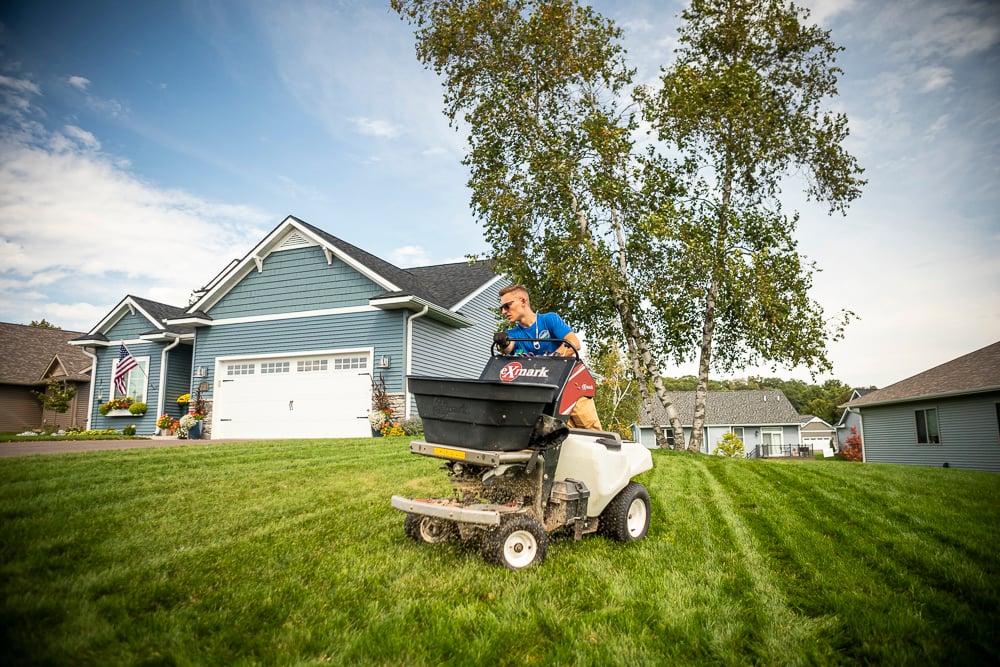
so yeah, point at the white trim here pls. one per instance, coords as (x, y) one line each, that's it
(408, 346)
(162, 389)
(273, 317)
(93, 384)
(436, 312)
(479, 291)
(268, 245)
(301, 353)
(112, 318)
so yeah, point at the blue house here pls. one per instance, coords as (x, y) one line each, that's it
(764, 420)
(287, 341)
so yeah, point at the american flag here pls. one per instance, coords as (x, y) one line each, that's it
(126, 362)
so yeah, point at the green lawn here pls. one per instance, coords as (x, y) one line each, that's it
(289, 553)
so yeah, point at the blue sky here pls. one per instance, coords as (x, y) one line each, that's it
(145, 144)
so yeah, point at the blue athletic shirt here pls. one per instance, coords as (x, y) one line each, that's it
(546, 325)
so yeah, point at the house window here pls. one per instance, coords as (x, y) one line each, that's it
(738, 432)
(927, 427)
(272, 367)
(312, 365)
(135, 381)
(350, 363)
(240, 369)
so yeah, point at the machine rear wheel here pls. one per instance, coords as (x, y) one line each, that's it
(626, 518)
(519, 541)
(428, 529)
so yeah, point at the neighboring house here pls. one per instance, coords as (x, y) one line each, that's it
(948, 415)
(817, 435)
(29, 358)
(287, 341)
(850, 418)
(764, 420)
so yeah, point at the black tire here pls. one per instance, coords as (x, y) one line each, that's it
(626, 518)
(428, 530)
(518, 542)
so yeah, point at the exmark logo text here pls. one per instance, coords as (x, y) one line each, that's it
(514, 370)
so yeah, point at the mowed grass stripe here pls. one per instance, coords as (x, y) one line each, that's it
(289, 553)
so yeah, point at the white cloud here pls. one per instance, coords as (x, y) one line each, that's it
(86, 139)
(932, 78)
(821, 11)
(410, 255)
(80, 82)
(73, 222)
(367, 81)
(20, 85)
(375, 128)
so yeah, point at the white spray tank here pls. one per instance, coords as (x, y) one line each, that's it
(602, 461)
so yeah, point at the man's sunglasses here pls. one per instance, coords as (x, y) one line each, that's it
(504, 307)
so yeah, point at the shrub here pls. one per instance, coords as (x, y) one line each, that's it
(137, 408)
(621, 428)
(412, 427)
(852, 446)
(730, 445)
(115, 404)
(129, 430)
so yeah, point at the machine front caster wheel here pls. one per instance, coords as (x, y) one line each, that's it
(519, 541)
(428, 529)
(626, 518)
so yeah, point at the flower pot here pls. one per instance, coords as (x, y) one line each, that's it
(194, 432)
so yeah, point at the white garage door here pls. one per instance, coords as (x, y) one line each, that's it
(816, 444)
(301, 396)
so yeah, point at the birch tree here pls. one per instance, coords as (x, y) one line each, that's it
(743, 104)
(679, 253)
(555, 178)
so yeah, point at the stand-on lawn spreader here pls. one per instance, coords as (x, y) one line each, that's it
(518, 473)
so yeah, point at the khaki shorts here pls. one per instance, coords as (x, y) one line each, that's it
(584, 415)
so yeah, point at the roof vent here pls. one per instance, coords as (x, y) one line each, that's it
(294, 240)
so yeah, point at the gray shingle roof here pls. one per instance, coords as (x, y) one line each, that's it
(27, 352)
(971, 373)
(162, 312)
(751, 407)
(443, 285)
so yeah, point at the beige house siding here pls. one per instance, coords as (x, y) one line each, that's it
(19, 409)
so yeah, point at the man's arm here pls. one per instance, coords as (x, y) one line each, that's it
(564, 350)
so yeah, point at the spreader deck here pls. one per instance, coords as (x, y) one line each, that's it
(473, 456)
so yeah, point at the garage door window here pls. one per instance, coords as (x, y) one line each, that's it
(312, 365)
(350, 363)
(240, 369)
(272, 367)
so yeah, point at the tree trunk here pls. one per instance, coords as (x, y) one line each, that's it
(708, 327)
(643, 364)
(704, 362)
